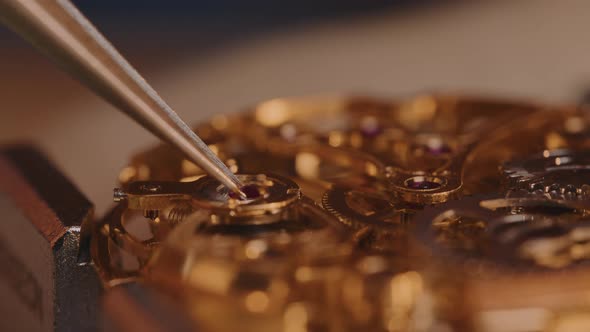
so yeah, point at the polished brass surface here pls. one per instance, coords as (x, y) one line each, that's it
(436, 213)
(512, 256)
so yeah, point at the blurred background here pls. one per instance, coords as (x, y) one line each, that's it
(209, 57)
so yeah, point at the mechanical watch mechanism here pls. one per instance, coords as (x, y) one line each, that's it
(437, 213)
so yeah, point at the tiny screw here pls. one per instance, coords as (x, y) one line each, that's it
(119, 195)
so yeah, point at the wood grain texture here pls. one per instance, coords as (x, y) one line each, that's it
(32, 206)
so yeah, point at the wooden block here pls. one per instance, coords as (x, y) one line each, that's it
(42, 285)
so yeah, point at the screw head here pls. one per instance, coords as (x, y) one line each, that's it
(119, 195)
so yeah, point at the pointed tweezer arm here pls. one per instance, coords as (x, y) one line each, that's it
(58, 29)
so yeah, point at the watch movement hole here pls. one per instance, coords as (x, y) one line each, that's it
(424, 183)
